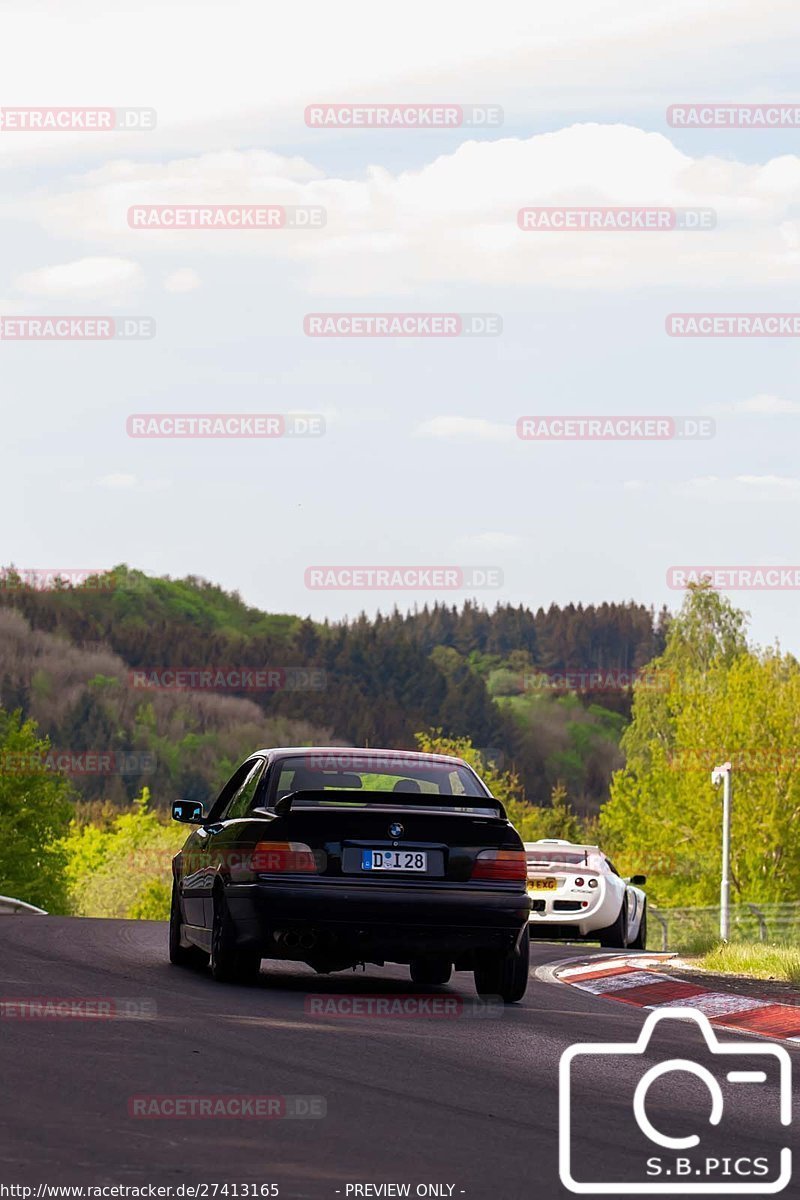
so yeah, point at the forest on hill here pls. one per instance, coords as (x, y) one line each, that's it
(719, 699)
(543, 692)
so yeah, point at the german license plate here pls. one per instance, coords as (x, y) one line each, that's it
(394, 860)
(542, 885)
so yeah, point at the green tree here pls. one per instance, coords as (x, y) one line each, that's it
(35, 809)
(532, 821)
(562, 821)
(720, 701)
(124, 869)
(504, 785)
(708, 634)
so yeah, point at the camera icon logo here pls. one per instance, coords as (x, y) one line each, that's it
(740, 1160)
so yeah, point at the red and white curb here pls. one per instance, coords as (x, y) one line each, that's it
(635, 981)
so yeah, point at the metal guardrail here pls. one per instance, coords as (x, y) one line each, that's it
(9, 906)
(689, 928)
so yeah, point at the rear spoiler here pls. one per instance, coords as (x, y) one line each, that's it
(391, 800)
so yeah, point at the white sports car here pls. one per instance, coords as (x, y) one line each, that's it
(577, 894)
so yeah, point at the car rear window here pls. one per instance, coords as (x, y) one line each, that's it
(344, 776)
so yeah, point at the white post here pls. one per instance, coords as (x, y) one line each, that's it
(723, 774)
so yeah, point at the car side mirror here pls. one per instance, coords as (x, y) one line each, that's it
(638, 880)
(190, 812)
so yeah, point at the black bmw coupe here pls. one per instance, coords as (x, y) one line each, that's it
(335, 857)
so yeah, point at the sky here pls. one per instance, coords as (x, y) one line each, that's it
(419, 463)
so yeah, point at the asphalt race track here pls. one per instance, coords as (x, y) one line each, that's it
(468, 1103)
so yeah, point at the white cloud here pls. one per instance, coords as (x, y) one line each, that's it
(778, 485)
(182, 280)
(492, 540)
(748, 488)
(764, 403)
(101, 278)
(465, 428)
(633, 485)
(117, 482)
(124, 483)
(269, 64)
(455, 219)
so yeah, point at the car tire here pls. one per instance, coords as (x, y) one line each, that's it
(228, 963)
(615, 937)
(504, 975)
(181, 956)
(431, 972)
(640, 941)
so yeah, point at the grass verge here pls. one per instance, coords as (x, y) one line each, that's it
(757, 959)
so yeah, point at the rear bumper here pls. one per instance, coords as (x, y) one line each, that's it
(549, 917)
(377, 921)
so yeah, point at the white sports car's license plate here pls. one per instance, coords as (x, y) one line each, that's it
(394, 860)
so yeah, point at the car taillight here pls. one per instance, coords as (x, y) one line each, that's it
(508, 865)
(593, 883)
(579, 881)
(278, 857)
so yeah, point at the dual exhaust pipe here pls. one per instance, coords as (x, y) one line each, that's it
(296, 941)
